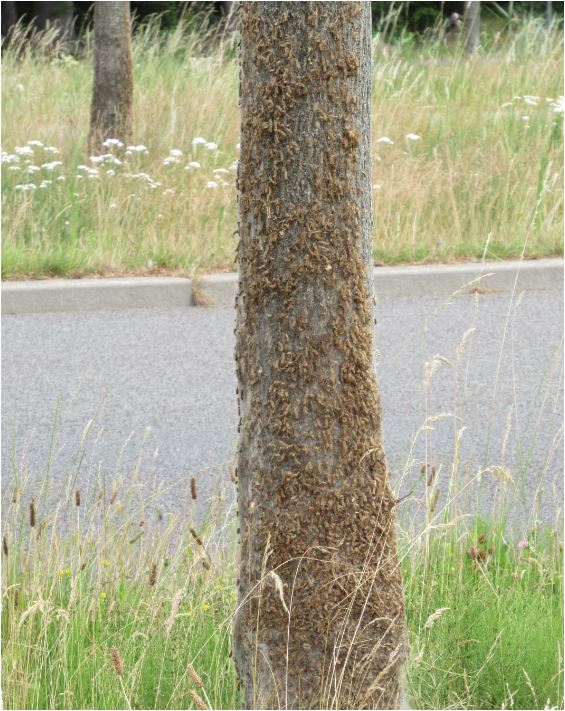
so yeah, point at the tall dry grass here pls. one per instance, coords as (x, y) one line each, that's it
(474, 153)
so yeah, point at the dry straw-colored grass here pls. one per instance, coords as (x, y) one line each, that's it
(479, 171)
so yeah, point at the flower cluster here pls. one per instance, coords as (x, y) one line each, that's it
(116, 160)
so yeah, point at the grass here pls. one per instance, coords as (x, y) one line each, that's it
(107, 606)
(487, 167)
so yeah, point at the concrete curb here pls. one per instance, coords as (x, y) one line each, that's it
(438, 280)
(68, 295)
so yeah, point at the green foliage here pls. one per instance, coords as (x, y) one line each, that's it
(484, 616)
(497, 644)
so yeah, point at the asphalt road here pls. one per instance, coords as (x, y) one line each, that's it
(160, 389)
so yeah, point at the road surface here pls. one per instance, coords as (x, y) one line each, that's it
(158, 389)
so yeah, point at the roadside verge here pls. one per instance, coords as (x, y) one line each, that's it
(114, 294)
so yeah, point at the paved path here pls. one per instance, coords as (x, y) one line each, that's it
(172, 371)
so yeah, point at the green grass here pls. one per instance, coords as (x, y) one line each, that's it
(498, 643)
(480, 174)
(484, 614)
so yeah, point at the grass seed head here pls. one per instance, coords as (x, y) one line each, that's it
(5, 545)
(32, 513)
(197, 700)
(117, 661)
(435, 616)
(193, 489)
(175, 604)
(77, 497)
(196, 680)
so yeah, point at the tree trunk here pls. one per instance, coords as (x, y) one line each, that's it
(548, 15)
(472, 25)
(325, 629)
(112, 94)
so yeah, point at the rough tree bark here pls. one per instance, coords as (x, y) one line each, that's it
(112, 93)
(472, 25)
(326, 630)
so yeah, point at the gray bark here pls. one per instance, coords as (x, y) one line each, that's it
(327, 630)
(112, 93)
(472, 25)
(548, 15)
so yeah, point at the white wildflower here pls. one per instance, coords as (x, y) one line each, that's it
(45, 183)
(39, 144)
(211, 146)
(14, 167)
(559, 105)
(211, 184)
(96, 159)
(193, 165)
(221, 171)
(530, 101)
(377, 186)
(199, 141)
(26, 186)
(506, 104)
(170, 160)
(112, 142)
(385, 140)
(169, 191)
(412, 137)
(238, 146)
(110, 172)
(51, 149)
(84, 168)
(61, 178)
(20, 88)
(52, 165)
(33, 169)
(525, 118)
(234, 165)
(136, 149)
(24, 150)
(175, 152)
(10, 157)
